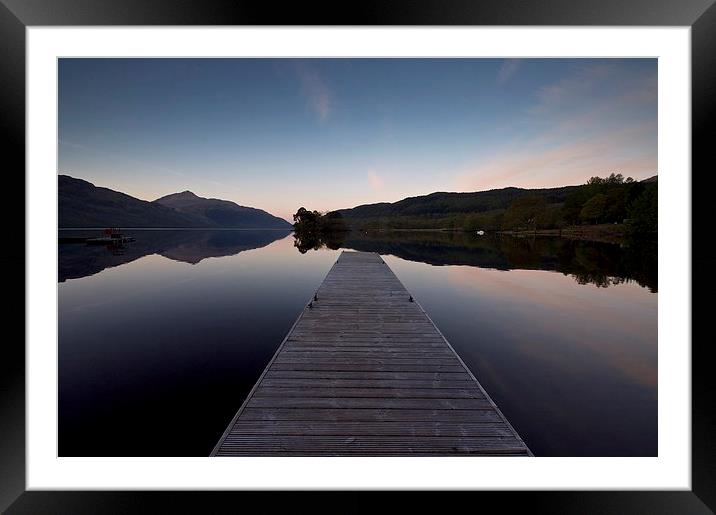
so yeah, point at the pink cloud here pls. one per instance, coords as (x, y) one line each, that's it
(527, 165)
(376, 181)
(576, 132)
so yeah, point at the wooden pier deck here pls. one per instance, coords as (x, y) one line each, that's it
(365, 372)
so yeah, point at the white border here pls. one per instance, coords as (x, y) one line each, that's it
(670, 470)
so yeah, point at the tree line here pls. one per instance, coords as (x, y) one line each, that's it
(609, 200)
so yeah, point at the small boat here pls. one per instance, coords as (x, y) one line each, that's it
(480, 233)
(112, 236)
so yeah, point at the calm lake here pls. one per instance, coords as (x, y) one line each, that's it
(160, 342)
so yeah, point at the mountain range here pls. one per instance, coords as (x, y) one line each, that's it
(82, 204)
(440, 205)
(448, 203)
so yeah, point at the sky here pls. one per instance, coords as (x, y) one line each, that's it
(326, 134)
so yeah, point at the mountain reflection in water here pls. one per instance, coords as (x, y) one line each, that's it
(77, 260)
(598, 263)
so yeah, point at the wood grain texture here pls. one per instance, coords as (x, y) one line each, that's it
(365, 372)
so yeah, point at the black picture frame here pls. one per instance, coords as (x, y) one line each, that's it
(17, 15)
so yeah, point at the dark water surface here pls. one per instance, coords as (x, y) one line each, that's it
(160, 341)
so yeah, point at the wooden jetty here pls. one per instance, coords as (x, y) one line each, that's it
(365, 372)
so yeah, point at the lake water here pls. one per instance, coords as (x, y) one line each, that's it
(160, 342)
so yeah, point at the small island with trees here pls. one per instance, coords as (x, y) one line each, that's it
(313, 230)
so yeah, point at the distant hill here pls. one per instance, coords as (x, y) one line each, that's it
(82, 204)
(654, 178)
(442, 204)
(221, 213)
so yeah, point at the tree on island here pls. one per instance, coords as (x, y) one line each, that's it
(305, 219)
(313, 230)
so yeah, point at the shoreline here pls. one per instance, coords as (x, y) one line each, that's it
(608, 233)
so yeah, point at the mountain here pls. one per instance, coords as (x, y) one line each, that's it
(82, 204)
(612, 198)
(446, 204)
(221, 213)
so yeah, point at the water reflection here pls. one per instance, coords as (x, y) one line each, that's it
(598, 263)
(311, 241)
(158, 345)
(77, 260)
(157, 354)
(573, 367)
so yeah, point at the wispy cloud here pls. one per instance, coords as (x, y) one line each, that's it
(319, 96)
(532, 165)
(376, 181)
(594, 100)
(596, 120)
(507, 70)
(577, 87)
(595, 88)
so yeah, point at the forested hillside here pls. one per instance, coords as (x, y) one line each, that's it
(609, 200)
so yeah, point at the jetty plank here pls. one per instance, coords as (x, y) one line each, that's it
(365, 372)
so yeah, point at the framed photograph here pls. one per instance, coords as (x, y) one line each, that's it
(416, 248)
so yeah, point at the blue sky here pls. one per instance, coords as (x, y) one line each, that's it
(331, 133)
